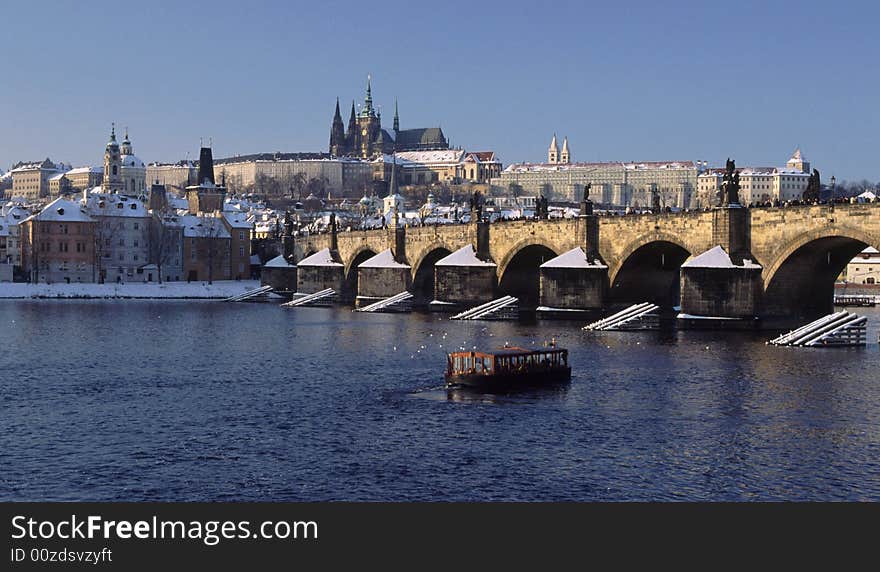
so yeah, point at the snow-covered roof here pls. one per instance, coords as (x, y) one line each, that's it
(574, 258)
(237, 219)
(57, 177)
(321, 258)
(871, 250)
(279, 262)
(867, 195)
(62, 210)
(203, 227)
(632, 166)
(80, 170)
(113, 205)
(132, 161)
(716, 258)
(464, 256)
(429, 157)
(384, 259)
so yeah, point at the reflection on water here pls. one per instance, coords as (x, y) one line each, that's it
(182, 400)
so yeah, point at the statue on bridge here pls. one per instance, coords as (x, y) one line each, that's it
(586, 203)
(288, 224)
(814, 187)
(655, 201)
(542, 208)
(730, 185)
(476, 207)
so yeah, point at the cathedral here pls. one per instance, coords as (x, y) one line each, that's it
(366, 138)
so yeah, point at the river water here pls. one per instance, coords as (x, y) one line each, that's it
(176, 400)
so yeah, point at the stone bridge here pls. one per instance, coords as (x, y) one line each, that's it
(626, 259)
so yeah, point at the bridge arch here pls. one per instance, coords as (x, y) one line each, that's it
(799, 280)
(423, 272)
(648, 270)
(350, 278)
(519, 272)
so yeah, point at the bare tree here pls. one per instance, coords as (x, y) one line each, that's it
(211, 230)
(164, 241)
(107, 232)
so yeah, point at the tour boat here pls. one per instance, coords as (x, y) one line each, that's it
(507, 367)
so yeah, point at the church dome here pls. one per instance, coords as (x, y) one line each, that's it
(132, 161)
(365, 200)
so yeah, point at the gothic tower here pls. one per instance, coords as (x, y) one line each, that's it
(337, 134)
(553, 151)
(396, 121)
(112, 165)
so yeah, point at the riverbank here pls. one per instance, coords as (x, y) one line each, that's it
(170, 290)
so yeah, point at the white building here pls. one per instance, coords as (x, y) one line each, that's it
(760, 184)
(864, 268)
(122, 236)
(10, 233)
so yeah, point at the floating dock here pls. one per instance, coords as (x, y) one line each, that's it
(644, 316)
(841, 329)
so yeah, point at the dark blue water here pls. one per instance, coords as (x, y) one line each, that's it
(211, 401)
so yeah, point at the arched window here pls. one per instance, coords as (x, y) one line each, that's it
(114, 169)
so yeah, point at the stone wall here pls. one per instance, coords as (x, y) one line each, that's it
(465, 285)
(573, 288)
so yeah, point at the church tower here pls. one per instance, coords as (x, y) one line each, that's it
(126, 149)
(798, 162)
(553, 152)
(565, 157)
(396, 121)
(337, 134)
(112, 165)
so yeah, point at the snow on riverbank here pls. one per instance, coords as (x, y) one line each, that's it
(218, 290)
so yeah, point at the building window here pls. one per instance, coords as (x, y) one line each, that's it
(241, 235)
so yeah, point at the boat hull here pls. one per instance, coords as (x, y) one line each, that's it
(505, 381)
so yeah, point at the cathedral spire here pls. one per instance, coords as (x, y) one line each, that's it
(337, 133)
(368, 100)
(396, 118)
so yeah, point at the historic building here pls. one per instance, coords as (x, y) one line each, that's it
(123, 172)
(205, 196)
(58, 244)
(760, 184)
(366, 138)
(32, 180)
(122, 235)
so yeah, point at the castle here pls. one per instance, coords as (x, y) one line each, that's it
(366, 138)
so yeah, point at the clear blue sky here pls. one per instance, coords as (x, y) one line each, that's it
(623, 80)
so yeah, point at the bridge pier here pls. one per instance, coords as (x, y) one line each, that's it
(723, 286)
(319, 272)
(573, 281)
(463, 279)
(381, 277)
